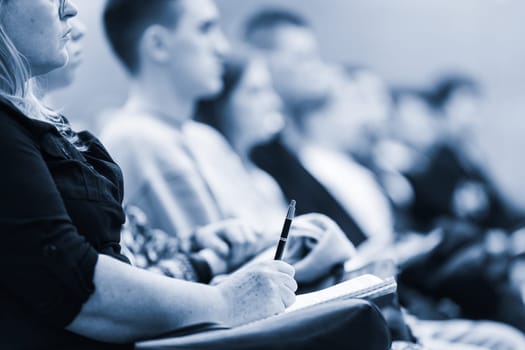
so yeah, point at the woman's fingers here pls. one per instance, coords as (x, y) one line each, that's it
(288, 296)
(283, 267)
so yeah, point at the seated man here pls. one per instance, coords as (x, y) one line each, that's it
(172, 62)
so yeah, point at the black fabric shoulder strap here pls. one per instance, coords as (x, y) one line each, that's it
(297, 183)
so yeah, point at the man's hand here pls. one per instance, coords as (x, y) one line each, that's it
(330, 246)
(232, 240)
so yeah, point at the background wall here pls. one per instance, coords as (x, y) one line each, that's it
(408, 41)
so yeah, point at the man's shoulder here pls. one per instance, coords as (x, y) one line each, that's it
(202, 131)
(128, 127)
(204, 137)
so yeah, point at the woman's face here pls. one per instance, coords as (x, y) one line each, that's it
(254, 108)
(39, 29)
(63, 77)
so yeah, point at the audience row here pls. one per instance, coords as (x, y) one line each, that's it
(212, 142)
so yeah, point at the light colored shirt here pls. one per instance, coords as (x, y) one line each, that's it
(353, 186)
(189, 176)
(160, 175)
(249, 194)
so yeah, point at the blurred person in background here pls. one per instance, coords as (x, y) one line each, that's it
(453, 189)
(304, 80)
(170, 162)
(322, 123)
(453, 181)
(321, 159)
(410, 132)
(291, 49)
(248, 112)
(375, 99)
(172, 61)
(412, 111)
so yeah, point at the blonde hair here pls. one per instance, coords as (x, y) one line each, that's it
(17, 87)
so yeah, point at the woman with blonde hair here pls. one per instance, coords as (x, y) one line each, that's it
(62, 284)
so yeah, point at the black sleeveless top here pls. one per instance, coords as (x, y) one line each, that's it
(59, 208)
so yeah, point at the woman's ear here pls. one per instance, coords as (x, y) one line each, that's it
(155, 44)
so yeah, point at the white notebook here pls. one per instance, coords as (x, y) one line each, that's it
(365, 287)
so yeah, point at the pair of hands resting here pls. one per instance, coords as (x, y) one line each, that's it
(228, 244)
(316, 244)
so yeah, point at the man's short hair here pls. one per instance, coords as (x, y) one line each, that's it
(260, 28)
(126, 20)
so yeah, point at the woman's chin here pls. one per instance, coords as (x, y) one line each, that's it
(49, 66)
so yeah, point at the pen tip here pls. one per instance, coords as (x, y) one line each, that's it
(292, 203)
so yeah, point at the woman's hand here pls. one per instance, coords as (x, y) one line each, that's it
(258, 291)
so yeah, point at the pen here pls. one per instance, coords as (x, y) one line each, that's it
(286, 229)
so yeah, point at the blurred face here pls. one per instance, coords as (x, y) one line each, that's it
(65, 76)
(254, 108)
(344, 122)
(415, 124)
(197, 48)
(40, 30)
(462, 111)
(375, 97)
(297, 69)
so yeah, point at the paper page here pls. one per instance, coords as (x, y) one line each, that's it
(340, 290)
